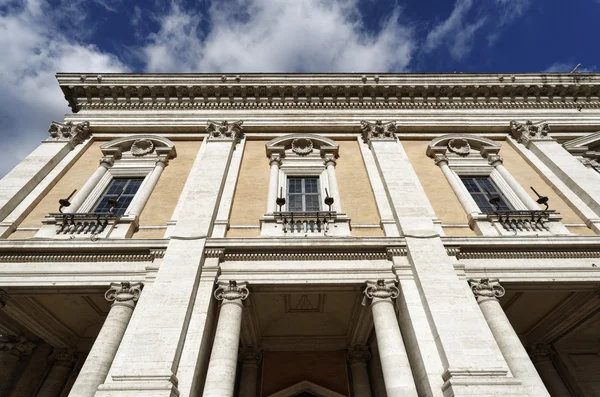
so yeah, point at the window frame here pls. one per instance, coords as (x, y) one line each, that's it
(106, 193)
(303, 194)
(487, 195)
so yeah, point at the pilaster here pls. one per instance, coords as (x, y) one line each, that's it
(163, 314)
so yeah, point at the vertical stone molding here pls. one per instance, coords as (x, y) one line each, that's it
(104, 164)
(146, 191)
(250, 359)
(357, 357)
(330, 163)
(487, 291)
(529, 131)
(220, 377)
(62, 361)
(12, 349)
(543, 356)
(69, 132)
(224, 130)
(397, 374)
(378, 130)
(97, 364)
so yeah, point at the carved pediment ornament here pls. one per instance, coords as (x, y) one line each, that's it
(459, 146)
(142, 147)
(302, 146)
(378, 130)
(528, 131)
(486, 288)
(69, 132)
(224, 130)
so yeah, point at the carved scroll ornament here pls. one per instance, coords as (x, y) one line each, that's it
(486, 288)
(231, 292)
(528, 131)
(224, 130)
(124, 292)
(381, 290)
(378, 130)
(69, 132)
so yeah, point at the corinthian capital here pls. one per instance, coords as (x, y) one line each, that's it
(63, 357)
(542, 352)
(528, 131)
(224, 130)
(231, 291)
(381, 289)
(486, 288)
(17, 346)
(378, 130)
(69, 132)
(124, 292)
(358, 354)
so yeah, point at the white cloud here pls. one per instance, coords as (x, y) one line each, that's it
(565, 67)
(277, 36)
(33, 51)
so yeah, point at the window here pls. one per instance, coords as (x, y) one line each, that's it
(120, 189)
(303, 194)
(482, 189)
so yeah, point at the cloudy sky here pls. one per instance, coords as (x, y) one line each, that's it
(41, 37)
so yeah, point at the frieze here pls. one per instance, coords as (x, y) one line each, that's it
(52, 257)
(524, 254)
(305, 256)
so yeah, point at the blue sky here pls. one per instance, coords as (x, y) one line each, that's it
(41, 37)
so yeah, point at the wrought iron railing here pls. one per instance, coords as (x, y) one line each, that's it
(305, 222)
(83, 223)
(522, 220)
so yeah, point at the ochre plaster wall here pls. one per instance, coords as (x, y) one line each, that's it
(527, 176)
(75, 177)
(250, 199)
(162, 202)
(356, 194)
(251, 191)
(441, 196)
(284, 369)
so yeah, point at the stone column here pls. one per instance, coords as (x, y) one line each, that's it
(543, 359)
(358, 356)
(275, 163)
(487, 291)
(90, 184)
(220, 377)
(583, 181)
(22, 179)
(457, 186)
(333, 185)
(12, 349)
(397, 373)
(62, 361)
(144, 194)
(250, 360)
(124, 296)
(496, 162)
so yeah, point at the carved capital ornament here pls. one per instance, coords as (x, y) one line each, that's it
(529, 131)
(17, 346)
(250, 355)
(69, 132)
(381, 290)
(224, 130)
(486, 288)
(358, 354)
(378, 130)
(231, 292)
(124, 292)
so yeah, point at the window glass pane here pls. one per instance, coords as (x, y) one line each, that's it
(295, 185)
(312, 203)
(295, 202)
(303, 194)
(482, 189)
(311, 185)
(122, 190)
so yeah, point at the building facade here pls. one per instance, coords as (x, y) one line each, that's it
(326, 235)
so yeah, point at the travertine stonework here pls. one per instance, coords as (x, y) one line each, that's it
(407, 281)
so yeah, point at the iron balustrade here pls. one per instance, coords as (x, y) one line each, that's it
(522, 220)
(305, 222)
(83, 222)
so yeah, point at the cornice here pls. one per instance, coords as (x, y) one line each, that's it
(407, 90)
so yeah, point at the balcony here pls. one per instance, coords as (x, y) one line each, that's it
(317, 223)
(523, 220)
(79, 225)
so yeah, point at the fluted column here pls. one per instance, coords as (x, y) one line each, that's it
(397, 373)
(358, 356)
(90, 184)
(543, 359)
(273, 183)
(487, 291)
(148, 187)
(220, 377)
(97, 364)
(250, 360)
(62, 361)
(12, 349)
(334, 191)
